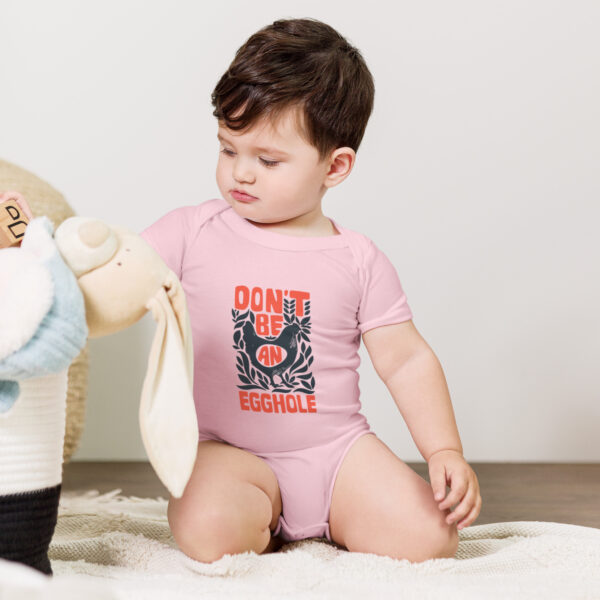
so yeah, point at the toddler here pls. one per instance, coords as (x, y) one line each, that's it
(279, 296)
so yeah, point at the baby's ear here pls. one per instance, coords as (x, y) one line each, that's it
(341, 162)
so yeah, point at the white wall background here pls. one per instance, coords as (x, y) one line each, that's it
(478, 176)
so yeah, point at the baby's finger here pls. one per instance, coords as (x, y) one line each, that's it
(463, 508)
(19, 199)
(437, 476)
(471, 516)
(457, 492)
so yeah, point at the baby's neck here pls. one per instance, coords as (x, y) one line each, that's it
(321, 229)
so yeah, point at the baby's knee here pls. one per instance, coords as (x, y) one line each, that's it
(206, 533)
(434, 538)
(442, 539)
(447, 542)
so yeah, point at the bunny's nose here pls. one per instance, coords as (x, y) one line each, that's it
(85, 244)
(94, 233)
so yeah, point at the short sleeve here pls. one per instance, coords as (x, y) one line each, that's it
(383, 300)
(168, 236)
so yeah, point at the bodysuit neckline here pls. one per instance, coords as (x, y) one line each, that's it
(280, 240)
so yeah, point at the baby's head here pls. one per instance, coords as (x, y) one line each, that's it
(292, 109)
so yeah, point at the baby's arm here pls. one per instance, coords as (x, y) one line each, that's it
(414, 376)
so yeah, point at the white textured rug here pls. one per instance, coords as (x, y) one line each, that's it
(108, 546)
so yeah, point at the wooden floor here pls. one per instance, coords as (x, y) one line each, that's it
(563, 493)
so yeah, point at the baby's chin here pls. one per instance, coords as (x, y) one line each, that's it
(252, 212)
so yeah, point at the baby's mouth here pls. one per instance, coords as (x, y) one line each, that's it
(242, 196)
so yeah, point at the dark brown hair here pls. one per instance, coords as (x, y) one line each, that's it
(301, 63)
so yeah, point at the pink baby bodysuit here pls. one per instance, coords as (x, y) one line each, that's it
(276, 323)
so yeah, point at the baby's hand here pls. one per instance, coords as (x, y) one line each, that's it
(449, 466)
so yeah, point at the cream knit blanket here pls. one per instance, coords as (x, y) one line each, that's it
(108, 546)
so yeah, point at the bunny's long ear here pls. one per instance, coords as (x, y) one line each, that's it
(179, 305)
(167, 413)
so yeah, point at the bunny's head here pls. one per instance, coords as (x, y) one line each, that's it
(117, 271)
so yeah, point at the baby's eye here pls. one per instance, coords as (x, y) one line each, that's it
(269, 163)
(227, 152)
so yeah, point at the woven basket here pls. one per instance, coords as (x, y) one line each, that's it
(45, 200)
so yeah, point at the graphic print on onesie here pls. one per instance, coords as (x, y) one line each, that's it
(271, 330)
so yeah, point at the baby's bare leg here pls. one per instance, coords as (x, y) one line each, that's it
(230, 505)
(381, 506)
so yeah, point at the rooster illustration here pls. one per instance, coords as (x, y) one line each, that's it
(286, 340)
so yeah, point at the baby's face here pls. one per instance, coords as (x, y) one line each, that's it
(277, 167)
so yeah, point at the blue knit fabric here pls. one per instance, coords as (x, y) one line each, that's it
(9, 391)
(63, 332)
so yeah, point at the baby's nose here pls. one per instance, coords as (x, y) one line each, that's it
(243, 172)
(94, 233)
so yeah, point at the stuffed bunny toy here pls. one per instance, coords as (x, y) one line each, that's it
(89, 279)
